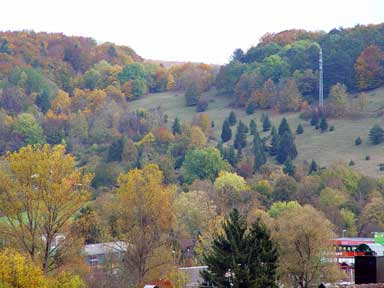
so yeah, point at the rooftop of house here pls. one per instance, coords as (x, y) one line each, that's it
(105, 248)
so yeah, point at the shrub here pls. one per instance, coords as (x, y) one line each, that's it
(376, 134)
(358, 141)
(367, 157)
(314, 120)
(202, 104)
(351, 163)
(251, 107)
(332, 128)
(300, 129)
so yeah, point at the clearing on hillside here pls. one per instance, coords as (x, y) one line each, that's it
(325, 148)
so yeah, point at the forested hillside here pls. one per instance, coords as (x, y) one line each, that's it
(282, 70)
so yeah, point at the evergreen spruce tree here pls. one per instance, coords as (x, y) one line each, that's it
(266, 122)
(43, 101)
(115, 150)
(242, 259)
(246, 129)
(284, 127)
(312, 167)
(212, 124)
(289, 169)
(358, 141)
(221, 148)
(176, 127)
(226, 132)
(240, 137)
(376, 134)
(230, 155)
(253, 127)
(314, 119)
(232, 118)
(239, 155)
(258, 150)
(300, 129)
(323, 124)
(287, 148)
(275, 139)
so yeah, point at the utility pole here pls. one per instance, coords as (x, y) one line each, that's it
(321, 90)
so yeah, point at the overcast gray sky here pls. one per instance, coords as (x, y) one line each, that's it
(194, 30)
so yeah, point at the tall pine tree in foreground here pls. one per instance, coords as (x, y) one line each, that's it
(247, 259)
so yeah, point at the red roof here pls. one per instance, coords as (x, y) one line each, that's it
(352, 241)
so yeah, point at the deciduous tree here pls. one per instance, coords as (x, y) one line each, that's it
(303, 234)
(145, 217)
(40, 191)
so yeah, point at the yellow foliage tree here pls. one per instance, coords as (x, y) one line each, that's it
(40, 190)
(145, 218)
(62, 103)
(304, 235)
(198, 139)
(229, 187)
(171, 83)
(18, 271)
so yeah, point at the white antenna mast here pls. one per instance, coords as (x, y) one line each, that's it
(321, 90)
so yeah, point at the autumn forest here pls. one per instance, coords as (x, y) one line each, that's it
(83, 161)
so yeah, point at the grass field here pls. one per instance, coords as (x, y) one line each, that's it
(325, 148)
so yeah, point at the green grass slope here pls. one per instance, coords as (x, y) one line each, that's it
(325, 148)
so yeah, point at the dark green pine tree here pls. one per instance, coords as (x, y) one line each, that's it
(246, 129)
(313, 167)
(275, 139)
(314, 119)
(264, 256)
(243, 259)
(288, 168)
(323, 124)
(299, 129)
(253, 127)
(259, 152)
(232, 118)
(43, 101)
(376, 134)
(212, 124)
(115, 150)
(221, 148)
(266, 122)
(287, 148)
(284, 127)
(226, 132)
(176, 127)
(230, 155)
(241, 136)
(239, 155)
